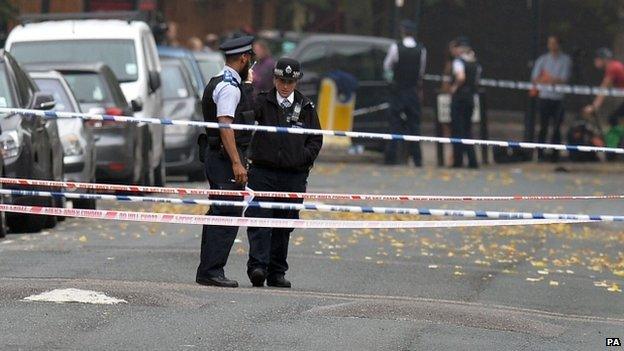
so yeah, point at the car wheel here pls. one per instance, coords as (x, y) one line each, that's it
(197, 176)
(85, 204)
(160, 173)
(4, 229)
(29, 223)
(138, 175)
(62, 203)
(51, 221)
(148, 175)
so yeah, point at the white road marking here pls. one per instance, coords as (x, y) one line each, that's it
(75, 295)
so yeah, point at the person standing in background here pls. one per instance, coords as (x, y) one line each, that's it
(613, 78)
(464, 82)
(404, 66)
(263, 70)
(553, 67)
(171, 36)
(195, 44)
(211, 42)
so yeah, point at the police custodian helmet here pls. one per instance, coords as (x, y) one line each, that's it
(288, 69)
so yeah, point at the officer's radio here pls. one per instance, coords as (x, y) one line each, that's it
(293, 118)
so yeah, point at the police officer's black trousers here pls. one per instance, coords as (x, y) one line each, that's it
(462, 107)
(217, 241)
(268, 247)
(404, 101)
(550, 111)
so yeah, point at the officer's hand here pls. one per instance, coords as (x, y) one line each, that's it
(240, 173)
(588, 111)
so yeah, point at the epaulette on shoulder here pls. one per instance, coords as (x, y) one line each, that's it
(228, 78)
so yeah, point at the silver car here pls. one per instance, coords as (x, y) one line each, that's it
(181, 103)
(210, 64)
(123, 149)
(79, 157)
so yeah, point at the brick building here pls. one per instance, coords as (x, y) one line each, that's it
(194, 17)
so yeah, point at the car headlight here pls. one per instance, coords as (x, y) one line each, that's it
(10, 144)
(71, 145)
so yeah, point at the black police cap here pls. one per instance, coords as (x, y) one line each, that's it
(462, 41)
(409, 25)
(236, 46)
(287, 68)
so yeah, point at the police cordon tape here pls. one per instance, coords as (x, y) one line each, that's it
(305, 131)
(289, 195)
(152, 217)
(324, 207)
(524, 85)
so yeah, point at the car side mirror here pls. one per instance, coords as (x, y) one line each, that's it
(42, 101)
(154, 81)
(137, 105)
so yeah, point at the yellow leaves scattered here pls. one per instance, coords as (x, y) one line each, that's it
(82, 239)
(614, 288)
(611, 286)
(533, 280)
(298, 240)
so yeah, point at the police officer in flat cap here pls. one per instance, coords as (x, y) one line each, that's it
(226, 99)
(279, 162)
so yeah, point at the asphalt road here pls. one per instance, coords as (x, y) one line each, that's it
(556, 287)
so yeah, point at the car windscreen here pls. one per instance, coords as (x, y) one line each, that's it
(54, 87)
(89, 88)
(173, 83)
(119, 55)
(5, 92)
(209, 68)
(189, 67)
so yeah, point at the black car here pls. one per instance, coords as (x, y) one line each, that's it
(181, 102)
(122, 149)
(322, 55)
(25, 142)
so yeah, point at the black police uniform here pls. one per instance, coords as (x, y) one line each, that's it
(405, 99)
(279, 162)
(462, 108)
(217, 241)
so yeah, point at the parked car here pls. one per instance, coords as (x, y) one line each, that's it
(25, 142)
(181, 103)
(210, 64)
(188, 60)
(281, 43)
(126, 46)
(4, 228)
(122, 149)
(362, 57)
(79, 158)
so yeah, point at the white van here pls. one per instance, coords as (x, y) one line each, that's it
(127, 47)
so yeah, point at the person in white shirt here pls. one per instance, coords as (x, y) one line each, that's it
(554, 67)
(404, 66)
